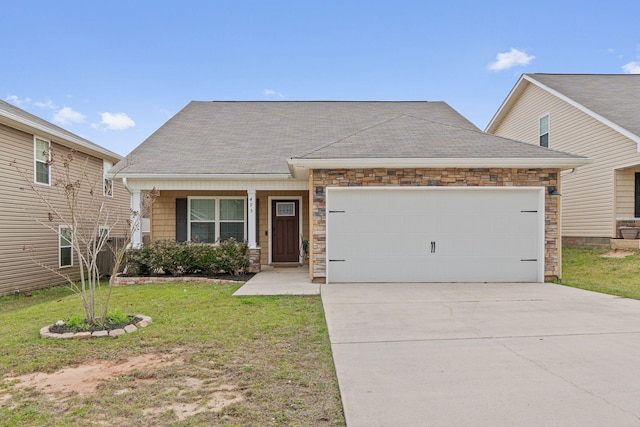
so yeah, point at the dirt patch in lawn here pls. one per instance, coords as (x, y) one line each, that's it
(617, 253)
(87, 379)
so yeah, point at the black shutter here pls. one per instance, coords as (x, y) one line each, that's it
(636, 213)
(181, 220)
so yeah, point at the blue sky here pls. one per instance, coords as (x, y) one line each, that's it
(113, 72)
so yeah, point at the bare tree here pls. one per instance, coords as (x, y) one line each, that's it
(87, 217)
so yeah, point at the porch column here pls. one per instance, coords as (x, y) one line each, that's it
(251, 220)
(136, 206)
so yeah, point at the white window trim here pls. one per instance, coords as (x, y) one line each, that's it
(103, 228)
(36, 161)
(60, 247)
(548, 116)
(105, 168)
(216, 221)
(285, 203)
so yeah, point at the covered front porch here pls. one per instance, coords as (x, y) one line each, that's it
(627, 202)
(272, 216)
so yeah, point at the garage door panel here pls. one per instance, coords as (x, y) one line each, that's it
(477, 235)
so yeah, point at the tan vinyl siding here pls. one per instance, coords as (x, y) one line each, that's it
(588, 201)
(20, 207)
(163, 214)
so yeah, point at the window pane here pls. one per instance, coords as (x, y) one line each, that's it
(108, 187)
(42, 150)
(65, 257)
(232, 229)
(203, 232)
(544, 140)
(232, 209)
(203, 209)
(285, 209)
(544, 125)
(42, 173)
(65, 237)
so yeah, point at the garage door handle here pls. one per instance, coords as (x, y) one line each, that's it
(433, 247)
(529, 259)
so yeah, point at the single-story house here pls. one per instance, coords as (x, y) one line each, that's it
(381, 191)
(33, 256)
(592, 115)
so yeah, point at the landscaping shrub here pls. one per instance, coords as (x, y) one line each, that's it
(139, 261)
(171, 257)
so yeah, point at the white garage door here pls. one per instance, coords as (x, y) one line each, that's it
(435, 234)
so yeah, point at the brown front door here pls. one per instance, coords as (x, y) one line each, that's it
(285, 231)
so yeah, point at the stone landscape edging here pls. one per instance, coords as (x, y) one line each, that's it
(114, 333)
(147, 280)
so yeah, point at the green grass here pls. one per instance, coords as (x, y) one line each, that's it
(273, 351)
(587, 269)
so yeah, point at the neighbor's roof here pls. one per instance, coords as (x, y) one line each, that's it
(611, 98)
(17, 118)
(260, 137)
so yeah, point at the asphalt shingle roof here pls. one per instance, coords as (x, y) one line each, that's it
(615, 97)
(259, 137)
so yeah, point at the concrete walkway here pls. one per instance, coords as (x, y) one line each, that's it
(438, 354)
(280, 281)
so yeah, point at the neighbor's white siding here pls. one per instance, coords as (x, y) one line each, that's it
(588, 195)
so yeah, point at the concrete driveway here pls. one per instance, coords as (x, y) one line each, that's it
(452, 354)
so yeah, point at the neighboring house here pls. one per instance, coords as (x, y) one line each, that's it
(597, 116)
(383, 191)
(25, 244)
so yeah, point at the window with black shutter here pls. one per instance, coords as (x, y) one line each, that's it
(181, 220)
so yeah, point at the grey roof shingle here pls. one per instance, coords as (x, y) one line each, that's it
(616, 97)
(259, 137)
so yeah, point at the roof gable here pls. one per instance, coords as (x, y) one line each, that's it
(612, 99)
(408, 137)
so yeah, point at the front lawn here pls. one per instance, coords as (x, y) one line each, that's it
(237, 361)
(588, 269)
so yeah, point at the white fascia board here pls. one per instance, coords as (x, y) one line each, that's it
(204, 176)
(235, 183)
(632, 136)
(555, 163)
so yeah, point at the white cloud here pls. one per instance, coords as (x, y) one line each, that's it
(48, 104)
(510, 59)
(272, 94)
(15, 100)
(632, 67)
(114, 121)
(66, 115)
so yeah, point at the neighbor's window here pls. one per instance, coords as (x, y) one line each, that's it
(103, 231)
(544, 131)
(65, 249)
(42, 167)
(211, 219)
(108, 182)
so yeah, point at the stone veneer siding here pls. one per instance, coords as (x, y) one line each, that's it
(477, 177)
